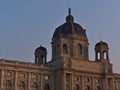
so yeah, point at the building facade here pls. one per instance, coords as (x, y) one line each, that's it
(69, 68)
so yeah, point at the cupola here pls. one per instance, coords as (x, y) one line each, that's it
(70, 40)
(40, 55)
(101, 51)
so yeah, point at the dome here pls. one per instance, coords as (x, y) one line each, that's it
(101, 43)
(68, 28)
(41, 50)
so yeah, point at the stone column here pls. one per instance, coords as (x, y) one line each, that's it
(16, 79)
(29, 76)
(41, 82)
(105, 84)
(116, 85)
(2, 79)
(72, 85)
(63, 81)
(110, 84)
(93, 83)
(83, 83)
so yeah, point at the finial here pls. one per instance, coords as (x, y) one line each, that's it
(69, 11)
(69, 18)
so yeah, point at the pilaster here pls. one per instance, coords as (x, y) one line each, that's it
(105, 87)
(72, 85)
(16, 80)
(83, 86)
(29, 76)
(93, 83)
(2, 79)
(42, 81)
(63, 81)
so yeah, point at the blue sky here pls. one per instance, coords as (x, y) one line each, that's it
(27, 24)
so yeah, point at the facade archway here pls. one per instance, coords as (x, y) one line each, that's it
(105, 55)
(65, 48)
(21, 86)
(34, 86)
(80, 51)
(77, 87)
(47, 87)
(98, 55)
(8, 85)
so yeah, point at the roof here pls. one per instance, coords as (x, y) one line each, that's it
(101, 43)
(69, 28)
(40, 50)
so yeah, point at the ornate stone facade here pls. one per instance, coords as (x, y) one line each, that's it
(69, 69)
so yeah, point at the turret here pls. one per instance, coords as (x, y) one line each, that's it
(40, 55)
(70, 40)
(101, 51)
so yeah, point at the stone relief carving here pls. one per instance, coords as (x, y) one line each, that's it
(67, 62)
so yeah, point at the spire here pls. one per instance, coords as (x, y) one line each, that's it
(69, 11)
(69, 18)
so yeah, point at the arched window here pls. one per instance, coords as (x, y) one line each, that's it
(8, 85)
(80, 50)
(21, 86)
(47, 87)
(65, 48)
(34, 86)
(76, 87)
(98, 55)
(43, 58)
(105, 54)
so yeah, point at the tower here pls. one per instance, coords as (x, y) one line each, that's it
(70, 40)
(102, 55)
(101, 51)
(40, 55)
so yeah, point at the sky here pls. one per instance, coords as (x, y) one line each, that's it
(27, 24)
